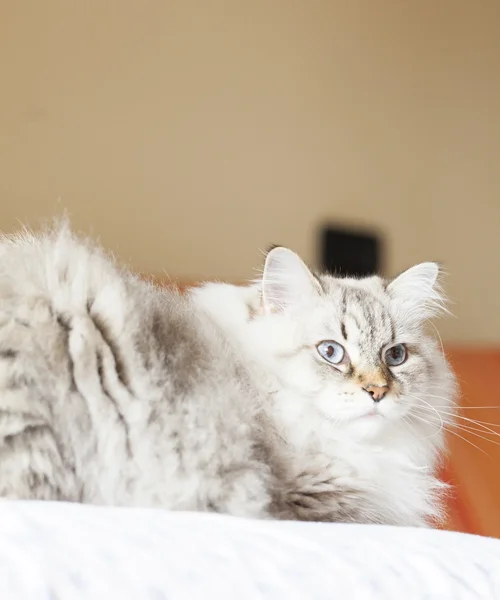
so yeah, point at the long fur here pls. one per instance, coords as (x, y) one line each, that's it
(113, 391)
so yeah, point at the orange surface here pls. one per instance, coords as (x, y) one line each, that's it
(475, 471)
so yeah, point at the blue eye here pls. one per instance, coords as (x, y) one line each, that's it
(331, 351)
(396, 355)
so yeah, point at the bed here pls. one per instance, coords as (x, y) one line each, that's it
(58, 551)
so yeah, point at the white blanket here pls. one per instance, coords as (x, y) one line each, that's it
(69, 552)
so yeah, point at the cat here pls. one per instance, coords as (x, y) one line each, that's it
(299, 396)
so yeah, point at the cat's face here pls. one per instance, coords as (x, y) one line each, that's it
(354, 351)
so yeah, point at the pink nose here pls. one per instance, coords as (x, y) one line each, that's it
(377, 392)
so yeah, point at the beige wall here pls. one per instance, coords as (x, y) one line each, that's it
(189, 134)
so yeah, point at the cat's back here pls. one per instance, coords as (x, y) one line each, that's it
(56, 276)
(134, 388)
(62, 269)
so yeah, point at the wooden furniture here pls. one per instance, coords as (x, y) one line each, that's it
(473, 464)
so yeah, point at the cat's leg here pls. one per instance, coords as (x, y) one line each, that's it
(243, 492)
(314, 487)
(32, 465)
(317, 488)
(310, 489)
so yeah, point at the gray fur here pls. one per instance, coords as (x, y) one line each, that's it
(113, 391)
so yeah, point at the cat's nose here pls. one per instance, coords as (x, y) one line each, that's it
(377, 392)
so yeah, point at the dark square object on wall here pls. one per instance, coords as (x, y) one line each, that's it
(350, 253)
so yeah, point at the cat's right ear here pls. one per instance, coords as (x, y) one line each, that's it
(287, 282)
(417, 293)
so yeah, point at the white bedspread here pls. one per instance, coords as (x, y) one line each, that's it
(52, 551)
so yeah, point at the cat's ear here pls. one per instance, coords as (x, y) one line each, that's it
(286, 282)
(417, 291)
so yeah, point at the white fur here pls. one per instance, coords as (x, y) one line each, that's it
(391, 456)
(286, 281)
(226, 404)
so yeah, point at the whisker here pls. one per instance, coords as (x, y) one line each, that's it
(421, 437)
(433, 409)
(456, 422)
(427, 422)
(473, 407)
(406, 423)
(458, 435)
(477, 421)
(472, 431)
(437, 396)
(464, 398)
(438, 335)
(483, 424)
(467, 429)
(482, 429)
(468, 441)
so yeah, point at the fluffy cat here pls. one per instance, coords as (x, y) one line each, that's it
(296, 397)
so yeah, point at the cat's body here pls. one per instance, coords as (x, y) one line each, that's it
(115, 392)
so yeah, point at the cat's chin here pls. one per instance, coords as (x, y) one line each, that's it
(371, 422)
(368, 425)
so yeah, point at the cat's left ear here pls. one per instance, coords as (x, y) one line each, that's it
(287, 282)
(417, 291)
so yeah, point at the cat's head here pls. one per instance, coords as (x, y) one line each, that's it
(353, 350)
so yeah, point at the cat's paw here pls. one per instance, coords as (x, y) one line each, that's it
(323, 490)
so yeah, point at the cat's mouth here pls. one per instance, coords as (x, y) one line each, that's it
(372, 413)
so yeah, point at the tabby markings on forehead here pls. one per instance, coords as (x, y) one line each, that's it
(376, 321)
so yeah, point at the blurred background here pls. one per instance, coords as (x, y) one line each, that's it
(190, 134)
